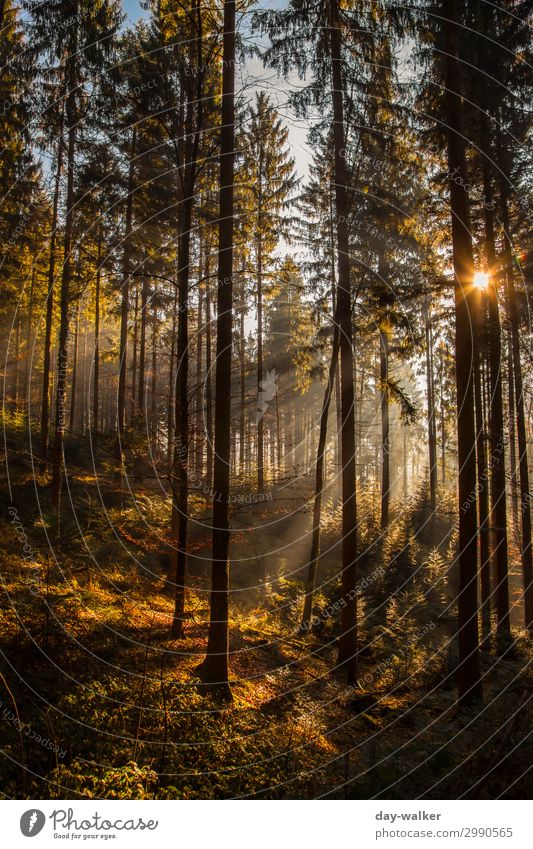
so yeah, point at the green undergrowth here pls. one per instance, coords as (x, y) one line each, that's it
(89, 667)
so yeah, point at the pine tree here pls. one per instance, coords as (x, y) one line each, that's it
(77, 35)
(271, 180)
(469, 676)
(301, 40)
(215, 668)
(20, 183)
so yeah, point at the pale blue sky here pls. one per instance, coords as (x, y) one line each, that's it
(251, 77)
(132, 9)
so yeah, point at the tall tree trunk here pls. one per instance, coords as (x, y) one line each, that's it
(171, 387)
(133, 407)
(96, 375)
(525, 498)
(338, 412)
(432, 430)
(180, 491)
(74, 381)
(216, 664)
(16, 369)
(442, 417)
(29, 326)
(187, 166)
(242, 380)
(512, 424)
(405, 459)
(125, 303)
(83, 416)
(385, 429)
(497, 437)
(384, 406)
(338, 403)
(348, 637)
(208, 382)
(260, 422)
(482, 470)
(469, 677)
(199, 453)
(153, 393)
(45, 402)
(319, 481)
(142, 349)
(62, 359)
(277, 449)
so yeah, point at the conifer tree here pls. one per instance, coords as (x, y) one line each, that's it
(270, 178)
(215, 667)
(78, 34)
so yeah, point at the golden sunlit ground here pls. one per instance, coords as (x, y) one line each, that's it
(90, 665)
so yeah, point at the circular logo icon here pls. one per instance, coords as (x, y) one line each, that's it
(32, 822)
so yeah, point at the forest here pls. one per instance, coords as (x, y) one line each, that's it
(267, 399)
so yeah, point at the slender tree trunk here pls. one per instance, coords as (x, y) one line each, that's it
(181, 454)
(384, 406)
(45, 402)
(199, 454)
(74, 381)
(432, 430)
(171, 386)
(338, 412)
(216, 664)
(83, 409)
(242, 382)
(319, 481)
(482, 470)
(298, 438)
(142, 349)
(469, 677)
(16, 371)
(338, 403)
(385, 429)
(525, 497)
(208, 381)
(497, 437)
(278, 452)
(29, 325)
(442, 418)
(260, 422)
(125, 303)
(348, 637)
(62, 360)
(512, 426)
(405, 459)
(96, 374)
(133, 407)
(153, 394)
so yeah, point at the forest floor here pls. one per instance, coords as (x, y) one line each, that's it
(89, 667)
